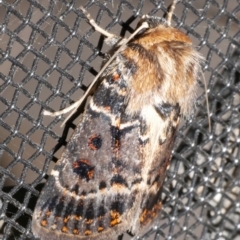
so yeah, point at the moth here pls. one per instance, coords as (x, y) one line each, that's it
(109, 178)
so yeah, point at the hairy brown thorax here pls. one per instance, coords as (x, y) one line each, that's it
(167, 68)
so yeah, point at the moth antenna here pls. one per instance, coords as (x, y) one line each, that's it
(207, 102)
(75, 106)
(63, 111)
(170, 12)
(79, 102)
(95, 25)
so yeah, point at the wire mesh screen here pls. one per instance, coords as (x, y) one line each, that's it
(48, 56)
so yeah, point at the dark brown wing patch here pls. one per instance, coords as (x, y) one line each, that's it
(95, 142)
(83, 169)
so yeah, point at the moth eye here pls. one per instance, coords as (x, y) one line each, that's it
(95, 142)
(83, 169)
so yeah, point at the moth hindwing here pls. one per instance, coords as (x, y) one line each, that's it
(109, 178)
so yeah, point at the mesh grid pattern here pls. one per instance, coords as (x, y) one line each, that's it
(48, 55)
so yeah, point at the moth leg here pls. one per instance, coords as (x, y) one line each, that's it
(64, 111)
(170, 12)
(75, 106)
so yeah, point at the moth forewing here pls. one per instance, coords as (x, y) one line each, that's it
(110, 176)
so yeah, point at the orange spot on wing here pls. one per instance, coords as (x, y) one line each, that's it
(87, 232)
(82, 161)
(117, 122)
(143, 215)
(65, 220)
(100, 229)
(83, 168)
(75, 232)
(107, 108)
(44, 223)
(115, 218)
(64, 229)
(117, 146)
(90, 174)
(115, 76)
(89, 221)
(149, 214)
(95, 141)
(118, 186)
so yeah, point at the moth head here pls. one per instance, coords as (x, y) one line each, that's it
(154, 21)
